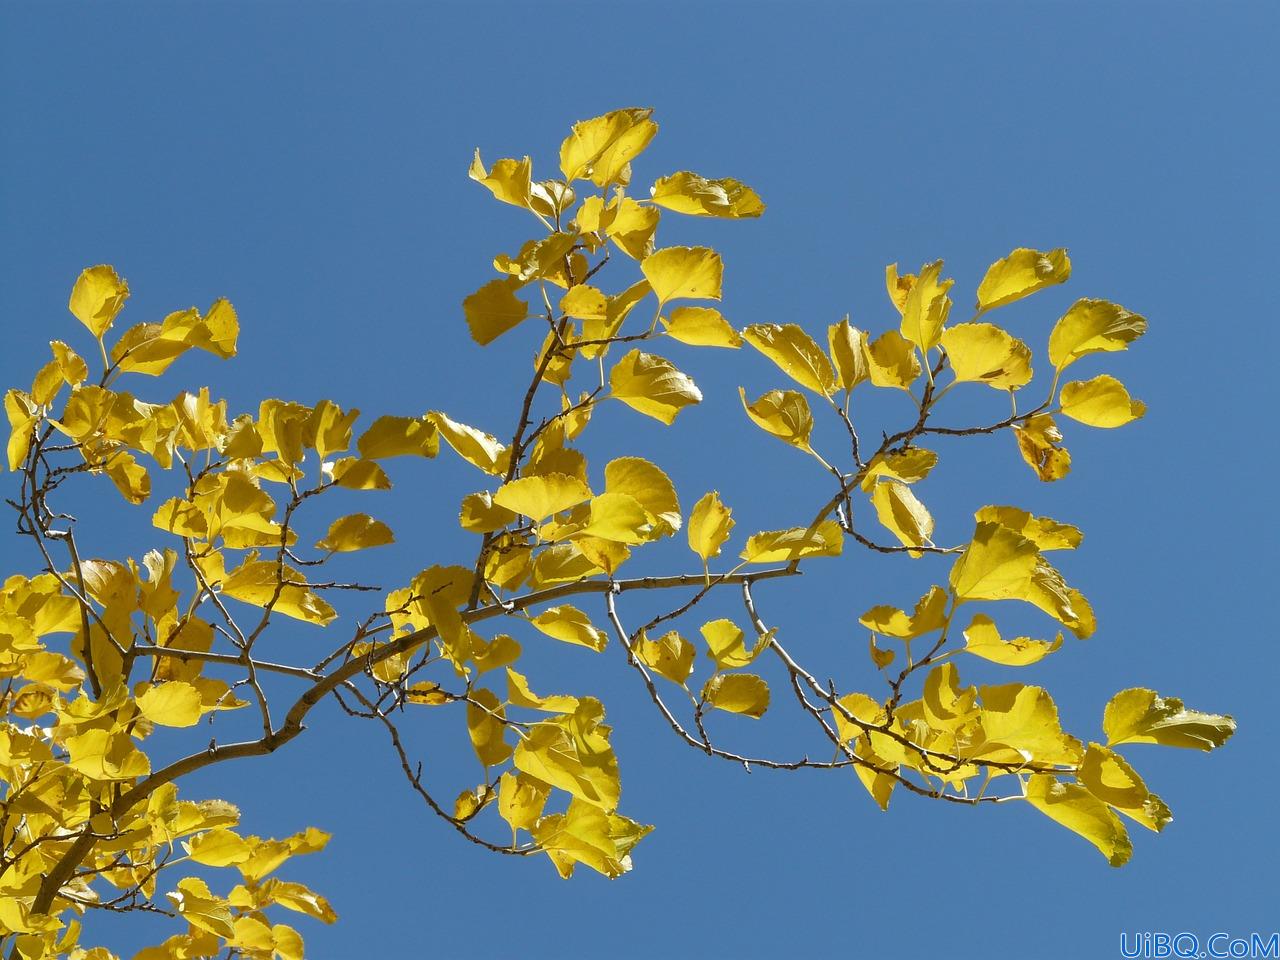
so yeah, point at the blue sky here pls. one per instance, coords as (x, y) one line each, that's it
(308, 161)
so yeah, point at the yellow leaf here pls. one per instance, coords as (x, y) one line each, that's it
(693, 273)
(902, 514)
(910, 466)
(548, 258)
(783, 413)
(287, 942)
(480, 514)
(22, 414)
(925, 311)
(1100, 402)
(619, 517)
(352, 473)
(256, 582)
(573, 753)
(521, 799)
(520, 695)
(129, 476)
(399, 437)
(726, 647)
(217, 848)
(357, 531)
(97, 297)
(983, 353)
(881, 658)
(848, 347)
(686, 192)
(540, 497)
(710, 523)
(982, 639)
(585, 834)
(930, 614)
(770, 546)
(584, 302)
(1045, 533)
(743, 693)
(562, 563)
(702, 327)
(202, 909)
(1038, 442)
(892, 361)
(550, 197)
(608, 555)
(898, 286)
(571, 625)
(1092, 326)
(651, 488)
(1143, 716)
(633, 227)
(1021, 723)
(508, 180)
(1020, 274)
(1108, 776)
(670, 656)
(104, 755)
(653, 386)
(795, 353)
(617, 308)
(171, 704)
(997, 565)
(601, 148)
(328, 429)
(494, 309)
(471, 802)
(480, 449)
(1080, 811)
(485, 726)
(295, 896)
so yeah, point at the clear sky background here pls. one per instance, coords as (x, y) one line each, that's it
(308, 161)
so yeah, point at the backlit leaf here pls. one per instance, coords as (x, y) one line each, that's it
(677, 273)
(1100, 402)
(1093, 326)
(770, 546)
(357, 531)
(399, 437)
(892, 361)
(743, 693)
(783, 413)
(97, 297)
(982, 639)
(480, 449)
(848, 347)
(600, 149)
(795, 353)
(1078, 810)
(571, 625)
(710, 523)
(494, 309)
(983, 353)
(1020, 274)
(670, 656)
(653, 386)
(540, 497)
(1039, 442)
(902, 514)
(686, 192)
(702, 327)
(1143, 716)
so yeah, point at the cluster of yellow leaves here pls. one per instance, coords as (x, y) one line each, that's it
(1015, 725)
(66, 756)
(71, 753)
